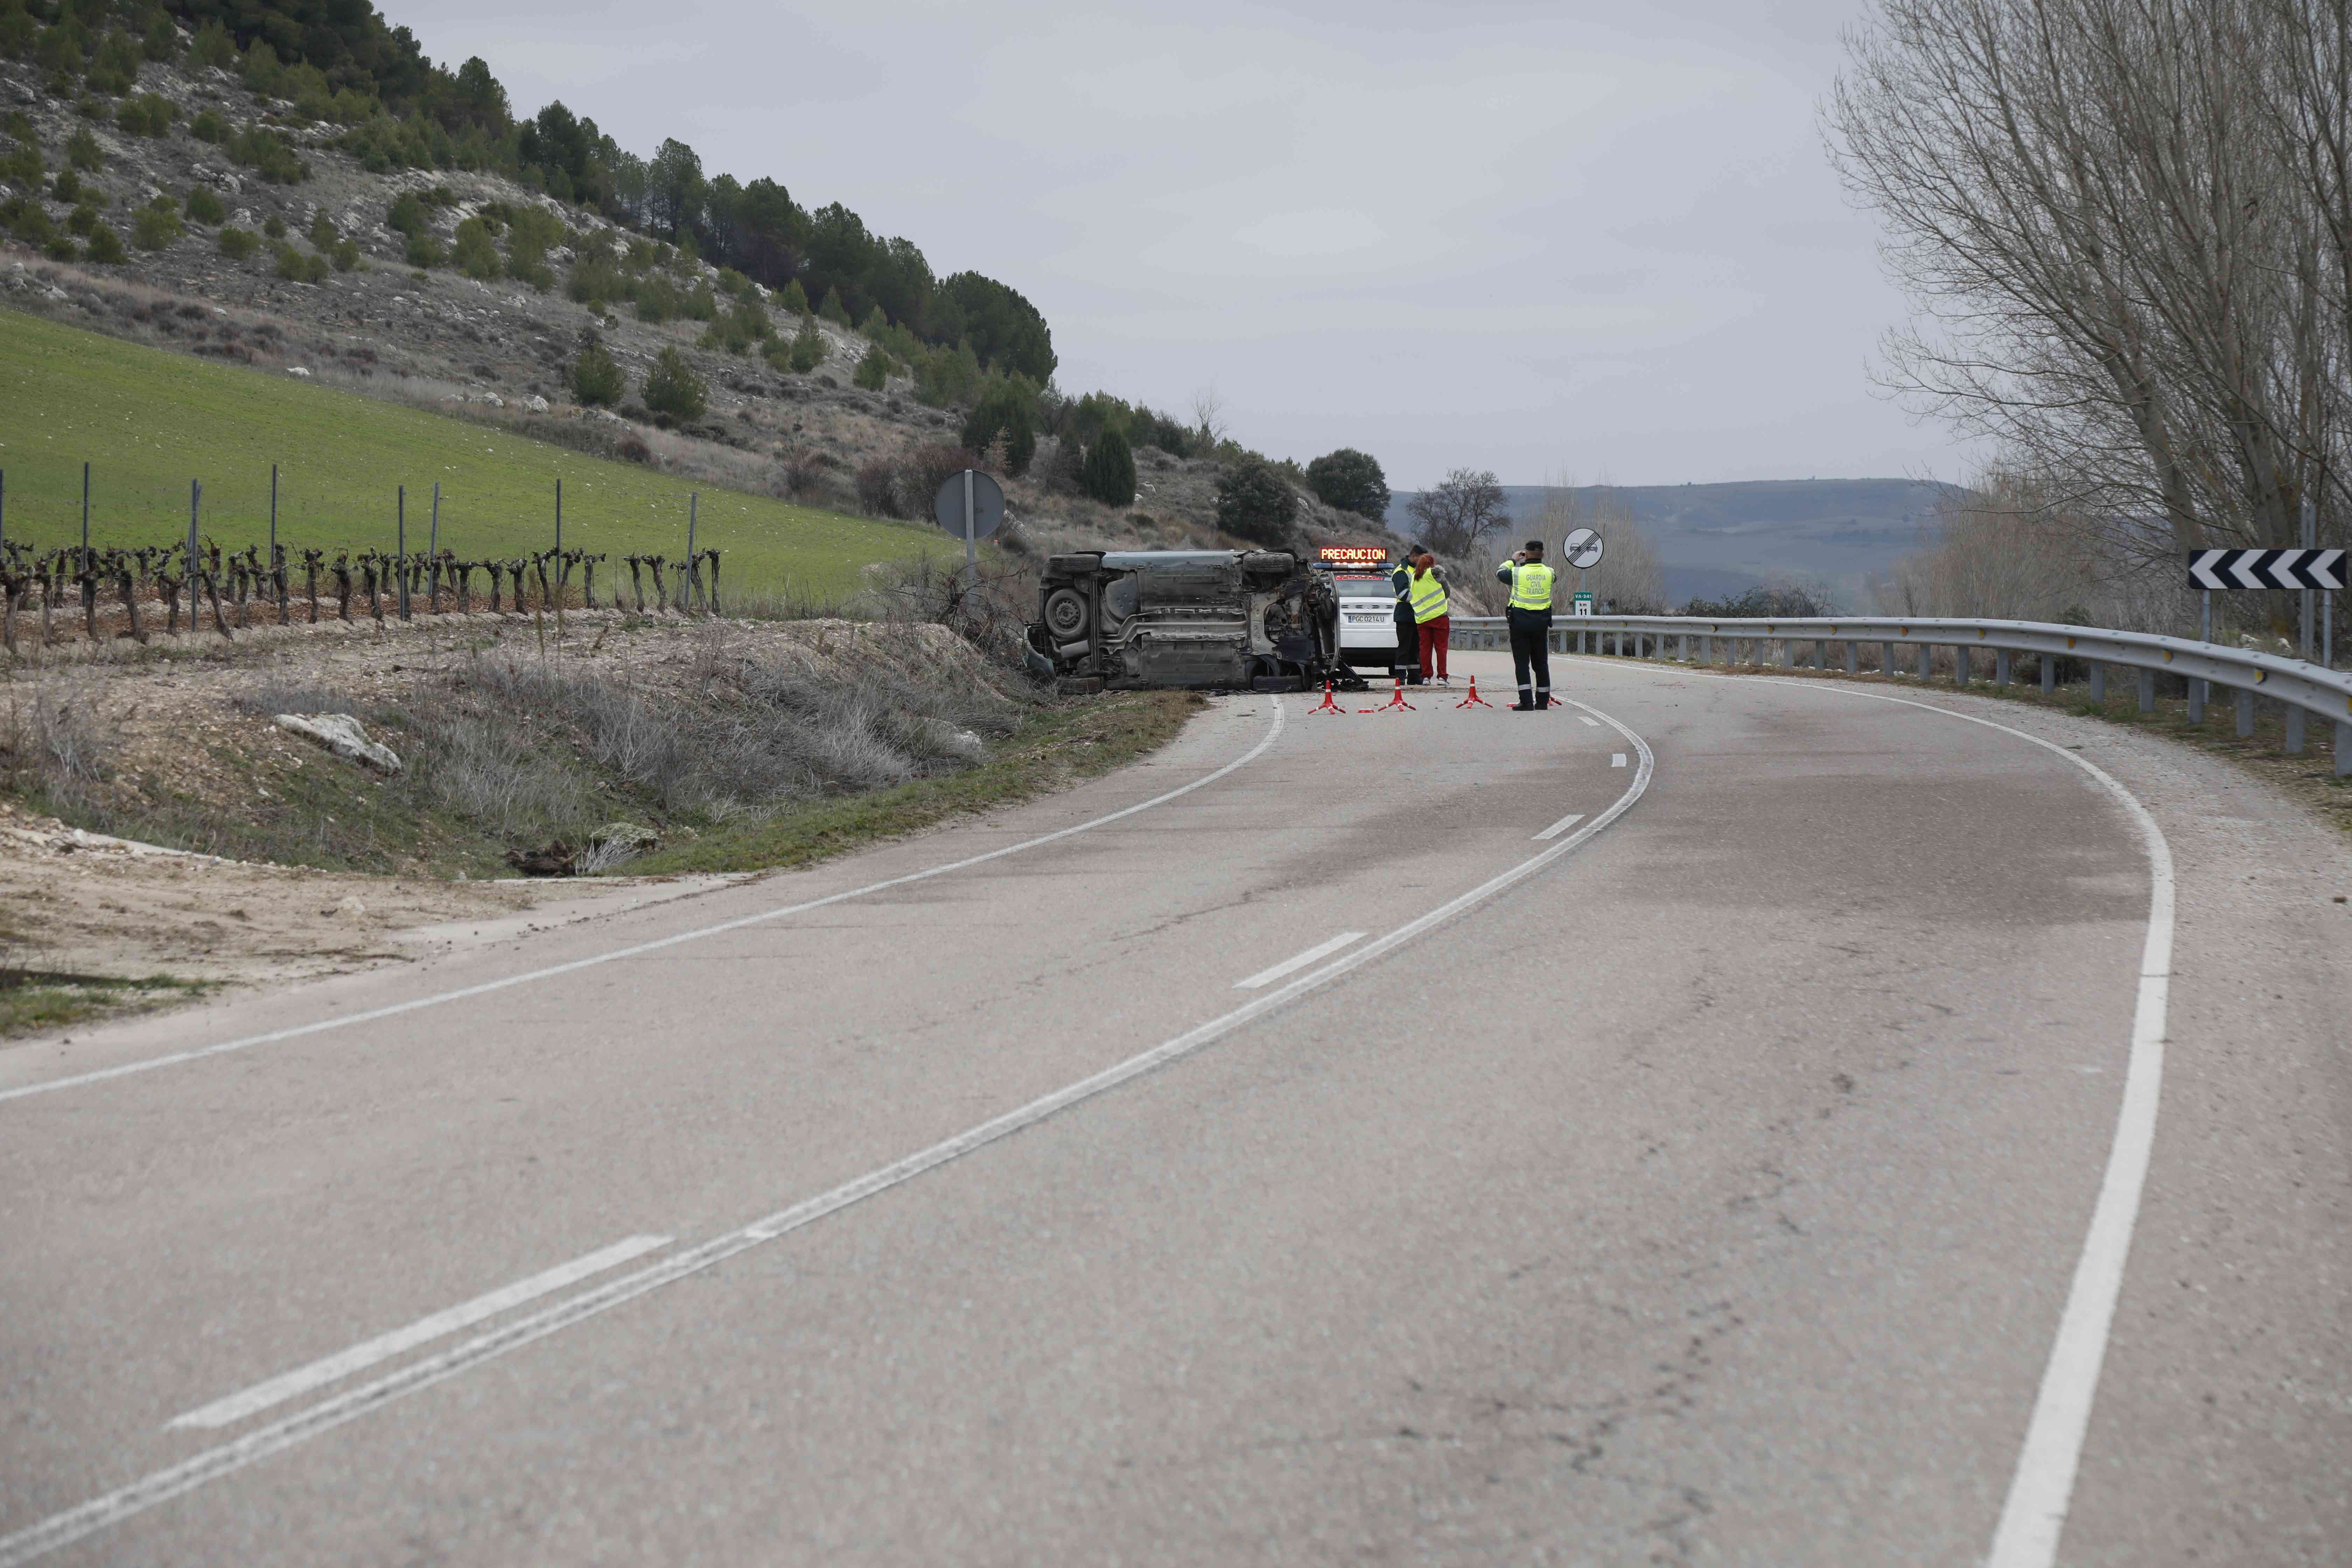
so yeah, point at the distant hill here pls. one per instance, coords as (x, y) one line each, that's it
(1715, 540)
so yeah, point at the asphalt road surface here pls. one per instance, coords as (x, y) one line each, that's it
(1863, 1134)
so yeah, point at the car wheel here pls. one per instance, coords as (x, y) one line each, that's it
(1065, 614)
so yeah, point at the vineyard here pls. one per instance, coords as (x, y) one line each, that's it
(119, 591)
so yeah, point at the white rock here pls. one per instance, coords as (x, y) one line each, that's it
(537, 405)
(299, 370)
(351, 909)
(494, 400)
(341, 733)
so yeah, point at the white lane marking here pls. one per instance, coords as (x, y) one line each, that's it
(2042, 1486)
(61, 1530)
(1587, 719)
(1562, 825)
(384, 1347)
(638, 950)
(1616, 759)
(1320, 950)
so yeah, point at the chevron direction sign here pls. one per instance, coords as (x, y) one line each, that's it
(2266, 569)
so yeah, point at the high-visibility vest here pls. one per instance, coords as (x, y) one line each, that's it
(1428, 596)
(1401, 580)
(1531, 587)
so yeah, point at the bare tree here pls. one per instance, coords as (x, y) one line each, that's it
(1463, 508)
(1209, 426)
(2114, 216)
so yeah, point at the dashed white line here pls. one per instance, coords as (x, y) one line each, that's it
(1594, 722)
(1562, 825)
(1298, 962)
(384, 1347)
(1616, 759)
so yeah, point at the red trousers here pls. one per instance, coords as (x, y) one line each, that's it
(1432, 647)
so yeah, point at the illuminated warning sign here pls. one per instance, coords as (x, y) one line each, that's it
(1353, 554)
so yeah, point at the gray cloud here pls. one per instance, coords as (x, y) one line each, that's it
(1599, 239)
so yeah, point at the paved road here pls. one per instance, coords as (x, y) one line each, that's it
(1708, 1184)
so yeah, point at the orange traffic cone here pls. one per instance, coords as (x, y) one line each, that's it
(1474, 700)
(1396, 700)
(1327, 705)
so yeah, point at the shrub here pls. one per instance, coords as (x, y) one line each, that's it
(793, 298)
(268, 153)
(157, 226)
(115, 68)
(929, 467)
(161, 41)
(205, 206)
(657, 299)
(297, 268)
(701, 305)
(346, 254)
(82, 151)
(1009, 410)
(82, 219)
(877, 489)
(1255, 501)
(873, 371)
(405, 215)
(833, 309)
(1350, 481)
(1108, 472)
(322, 231)
(18, 34)
(149, 114)
(423, 251)
(596, 379)
(106, 246)
(30, 221)
(274, 227)
(208, 126)
(237, 244)
(213, 46)
(947, 376)
(673, 389)
(67, 186)
(808, 347)
(477, 254)
(595, 280)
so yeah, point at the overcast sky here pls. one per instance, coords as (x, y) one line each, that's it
(1598, 239)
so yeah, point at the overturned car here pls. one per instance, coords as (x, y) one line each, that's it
(1237, 620)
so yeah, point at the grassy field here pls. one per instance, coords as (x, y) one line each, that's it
(148, 422)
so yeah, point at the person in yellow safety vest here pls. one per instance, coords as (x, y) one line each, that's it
(1408, 639)
(1429, 616)
(1530, 616)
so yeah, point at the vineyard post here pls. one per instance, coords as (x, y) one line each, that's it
(195, 495)
(4, 507)
(559, 517)
(273, 517)
(433, 547)
(692, 501)
(400, 547)
(85, 517)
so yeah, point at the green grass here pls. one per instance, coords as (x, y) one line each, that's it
(34, 1003)
(1055, 747)
(148, 422)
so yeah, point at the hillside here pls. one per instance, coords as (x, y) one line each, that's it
(1718, 540)
(225, 211)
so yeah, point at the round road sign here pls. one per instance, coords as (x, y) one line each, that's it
(987, 504)
(1582, 549)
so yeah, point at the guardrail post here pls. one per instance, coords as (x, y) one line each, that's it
(2245, 713)
(1959, 665)
(2001, 667)
(1788, 653)
(1682, 648)
(1886, 660)
(1706, 649)
(2343, 747)
(2295, 726)
(2197, 701)
(2147, 691)
(1927, 662)
(2098, 683)
(2049, 673)
(1852, 658)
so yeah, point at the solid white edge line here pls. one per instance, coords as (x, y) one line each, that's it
(2041, 1489)
(63, 1529)
(1299, 960)
(1556, 828)
(636, 950)
(330, 1369)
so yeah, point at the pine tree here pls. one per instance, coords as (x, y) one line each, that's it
(1108, 474)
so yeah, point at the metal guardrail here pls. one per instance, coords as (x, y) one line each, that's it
(2302, 687)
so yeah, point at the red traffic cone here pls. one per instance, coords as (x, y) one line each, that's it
(1327, 705)
(1396, 700)
(1474, 700)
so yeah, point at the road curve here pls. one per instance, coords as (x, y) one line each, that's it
(1708, 1180)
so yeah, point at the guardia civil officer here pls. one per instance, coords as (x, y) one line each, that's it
(1408, 631)
(1530, 581)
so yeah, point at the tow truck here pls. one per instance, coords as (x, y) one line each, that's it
(1358, 576)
